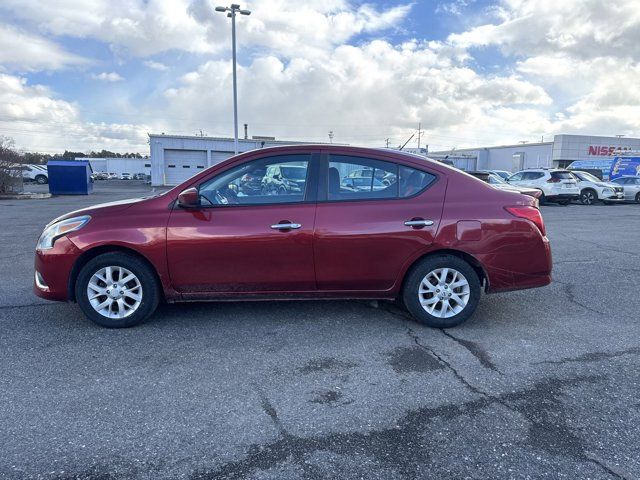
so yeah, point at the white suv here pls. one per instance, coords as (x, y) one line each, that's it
(593, 189)
(35, 173)
(556, 185)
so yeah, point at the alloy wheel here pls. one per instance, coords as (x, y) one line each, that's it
(587, 198)
(114, 292)
(444, 292)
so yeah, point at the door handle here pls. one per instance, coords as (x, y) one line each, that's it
(418, 222)
(286, 226)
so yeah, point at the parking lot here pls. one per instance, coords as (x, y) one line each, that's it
(538, 384)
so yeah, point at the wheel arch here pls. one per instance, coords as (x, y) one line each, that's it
(99, 250)
(470, 259)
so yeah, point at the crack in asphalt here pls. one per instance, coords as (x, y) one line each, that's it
(567, 288)
(481, 354)
(592, 357)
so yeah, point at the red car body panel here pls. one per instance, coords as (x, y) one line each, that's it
(352, 249)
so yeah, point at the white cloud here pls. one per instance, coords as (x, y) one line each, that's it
(364, 94)
(156, 65)
(143, 28)
(38, 121)
(24, 51)
(107, 76)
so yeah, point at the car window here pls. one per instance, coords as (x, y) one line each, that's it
(532, 175)
(587, 177)
(351, 178)
(516, 177)
(562, 175)
(413, 181)
(277, 179)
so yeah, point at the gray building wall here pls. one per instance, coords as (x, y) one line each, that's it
(217, 149)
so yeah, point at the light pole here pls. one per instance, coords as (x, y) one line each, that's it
(231, 13)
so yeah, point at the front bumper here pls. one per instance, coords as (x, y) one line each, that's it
(53, 268)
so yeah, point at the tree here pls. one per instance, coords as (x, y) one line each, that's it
(10, 172)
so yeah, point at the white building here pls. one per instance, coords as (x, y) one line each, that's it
(175, 158)
(120, 165)
(563, 150)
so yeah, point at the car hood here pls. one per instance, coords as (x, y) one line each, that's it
(101, 207)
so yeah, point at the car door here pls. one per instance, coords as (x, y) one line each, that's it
(364, 237)
(243, 240)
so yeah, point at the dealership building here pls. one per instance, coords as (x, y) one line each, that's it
(560, 152)
(175, 158)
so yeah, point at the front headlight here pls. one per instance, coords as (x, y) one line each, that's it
(607, 191)
(59, 229)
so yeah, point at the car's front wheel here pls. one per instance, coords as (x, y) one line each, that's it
(638, 197)
(117, 290)
(588, 196)
(41, 179)
(442, 291)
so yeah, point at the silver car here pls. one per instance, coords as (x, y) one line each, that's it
(631, 187)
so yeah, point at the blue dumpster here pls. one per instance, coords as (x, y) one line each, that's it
(69, 177)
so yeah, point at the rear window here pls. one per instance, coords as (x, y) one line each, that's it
(562, 175)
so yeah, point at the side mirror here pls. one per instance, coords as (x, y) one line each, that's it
(189, 198)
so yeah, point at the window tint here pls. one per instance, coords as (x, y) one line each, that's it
(516, 177)
(413, 181)
(364, 178)
(562, 175)
(361, 178)
(277, 179)
(532, 175)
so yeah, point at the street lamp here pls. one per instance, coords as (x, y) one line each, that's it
(231, 13)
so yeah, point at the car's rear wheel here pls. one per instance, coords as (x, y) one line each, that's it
(41, 179)
(638, 197)
(117, 290)
(442, 291)
(588, 196)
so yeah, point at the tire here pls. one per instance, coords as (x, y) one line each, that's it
(638, 197)
(41, 179)
(588, 196)
(429, 270)
(145, 284)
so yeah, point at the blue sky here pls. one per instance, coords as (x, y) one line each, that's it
(103, 74)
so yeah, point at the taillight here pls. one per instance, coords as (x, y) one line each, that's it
(529, 213)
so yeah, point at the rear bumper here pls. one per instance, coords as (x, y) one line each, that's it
(530, 269)
(563, 196)
(53, 268)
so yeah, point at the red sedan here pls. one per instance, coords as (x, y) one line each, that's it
(434, 237)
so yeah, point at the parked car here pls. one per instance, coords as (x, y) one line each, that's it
(112, 176)
(284, 179)
(362, 184)
(592, 189)
(386, 178)
(503, 174)
(425, 240)
(139, 176)
(631, 186)
(499, 183)
(125, 176)
(35, 173)
(100, 176)
(557, 185)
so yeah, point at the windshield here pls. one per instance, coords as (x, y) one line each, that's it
(587, 177)
(493, 179)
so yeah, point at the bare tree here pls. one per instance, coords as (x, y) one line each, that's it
(10, 171)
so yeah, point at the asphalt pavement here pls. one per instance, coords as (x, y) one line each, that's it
(541, 383)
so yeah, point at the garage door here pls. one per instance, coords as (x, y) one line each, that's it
(182, 164)
(217, 157)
